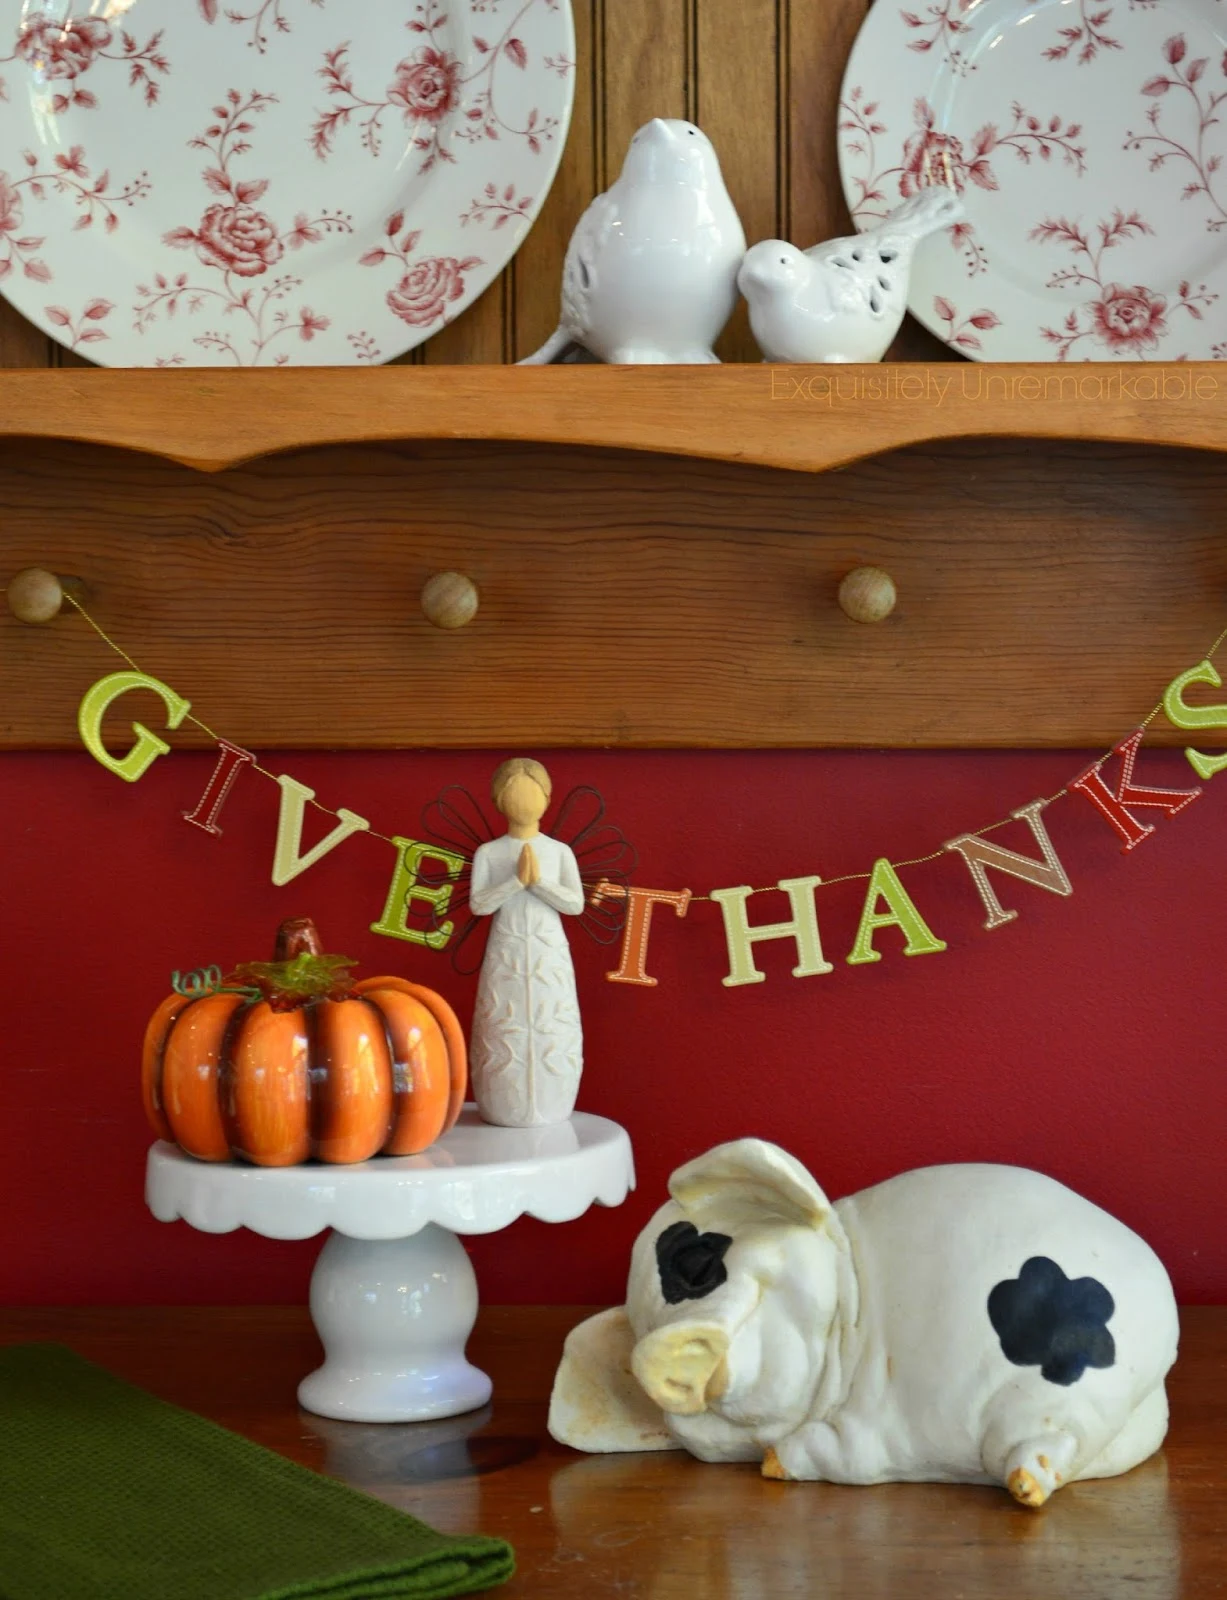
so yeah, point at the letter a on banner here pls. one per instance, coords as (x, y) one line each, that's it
(1113, 805)
(287, 863)
(980, 853)
(919, 938)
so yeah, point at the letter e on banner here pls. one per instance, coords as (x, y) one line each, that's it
(406, 887)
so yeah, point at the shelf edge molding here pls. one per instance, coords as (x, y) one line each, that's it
(805, 419)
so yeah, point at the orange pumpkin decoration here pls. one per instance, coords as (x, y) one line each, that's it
(303, 1062)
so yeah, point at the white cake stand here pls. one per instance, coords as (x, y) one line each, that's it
(393, 1294)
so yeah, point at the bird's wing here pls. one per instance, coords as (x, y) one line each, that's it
(924, 213)
(580, 270)
(845, 282)
(828, 249)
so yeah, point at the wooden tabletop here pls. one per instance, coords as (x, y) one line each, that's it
(665, 1527)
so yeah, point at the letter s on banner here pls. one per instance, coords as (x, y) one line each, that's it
(1184, 716)
(98, 700)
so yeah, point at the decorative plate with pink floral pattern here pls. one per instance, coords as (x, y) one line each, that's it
(1087, 139)
(197, 183)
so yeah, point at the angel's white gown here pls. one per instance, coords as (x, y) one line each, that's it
(527, 1044)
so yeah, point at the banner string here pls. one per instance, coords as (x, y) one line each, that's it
(204, 726)
(827, 883)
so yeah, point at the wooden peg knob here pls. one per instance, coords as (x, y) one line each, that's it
(37, 596)
(867, 594)
(449, 599)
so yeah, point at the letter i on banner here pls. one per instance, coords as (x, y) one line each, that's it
(1113, 804)
(230, 763)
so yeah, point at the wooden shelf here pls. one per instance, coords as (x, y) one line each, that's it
(803, 418)
(648, 575)
(662, 1524)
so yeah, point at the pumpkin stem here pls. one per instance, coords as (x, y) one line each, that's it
(297, 936)
(299, 973)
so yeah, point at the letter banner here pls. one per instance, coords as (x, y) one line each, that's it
(429, 879)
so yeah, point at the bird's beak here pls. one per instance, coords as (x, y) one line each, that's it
(755, 271)
(660, 130)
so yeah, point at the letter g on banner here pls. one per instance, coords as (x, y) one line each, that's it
(148, 747)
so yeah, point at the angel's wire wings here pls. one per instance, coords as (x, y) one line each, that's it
(457, 822)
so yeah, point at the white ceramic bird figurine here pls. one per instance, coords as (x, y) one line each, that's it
(842, 300)
(651, 271)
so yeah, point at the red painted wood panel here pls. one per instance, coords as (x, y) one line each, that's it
(1084, 1039)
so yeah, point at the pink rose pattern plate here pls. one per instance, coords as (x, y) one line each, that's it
(191, 183)
(1086, 138)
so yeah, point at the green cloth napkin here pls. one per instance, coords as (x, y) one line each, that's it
(109, 1494)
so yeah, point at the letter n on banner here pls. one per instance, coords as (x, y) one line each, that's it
(979, 854)
(1113, 804)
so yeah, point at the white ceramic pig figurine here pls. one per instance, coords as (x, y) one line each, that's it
(966, 1324)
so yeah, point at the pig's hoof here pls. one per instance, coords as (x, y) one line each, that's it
(1028, 1491)
(773, 1467)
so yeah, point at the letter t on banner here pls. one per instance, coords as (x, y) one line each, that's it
(741, 936)
(1112, 805)
(632, 968)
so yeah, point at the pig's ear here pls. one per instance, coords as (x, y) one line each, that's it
(597, 1403)
(745, 1183)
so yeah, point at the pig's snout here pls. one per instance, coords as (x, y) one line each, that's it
(683, 1367)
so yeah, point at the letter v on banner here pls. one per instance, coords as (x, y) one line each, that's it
(1114, 804)
(287, 862)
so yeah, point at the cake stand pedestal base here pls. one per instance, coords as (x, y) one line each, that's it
(394, 1316)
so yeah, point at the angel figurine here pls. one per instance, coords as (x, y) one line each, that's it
(527, 1045)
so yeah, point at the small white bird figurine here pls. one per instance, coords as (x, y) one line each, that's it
(651, 271)
(842, 300)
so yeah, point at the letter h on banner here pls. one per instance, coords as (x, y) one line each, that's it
(803, 927)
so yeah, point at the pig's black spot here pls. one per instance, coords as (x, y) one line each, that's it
(690, 1263)
(1052, 1322)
